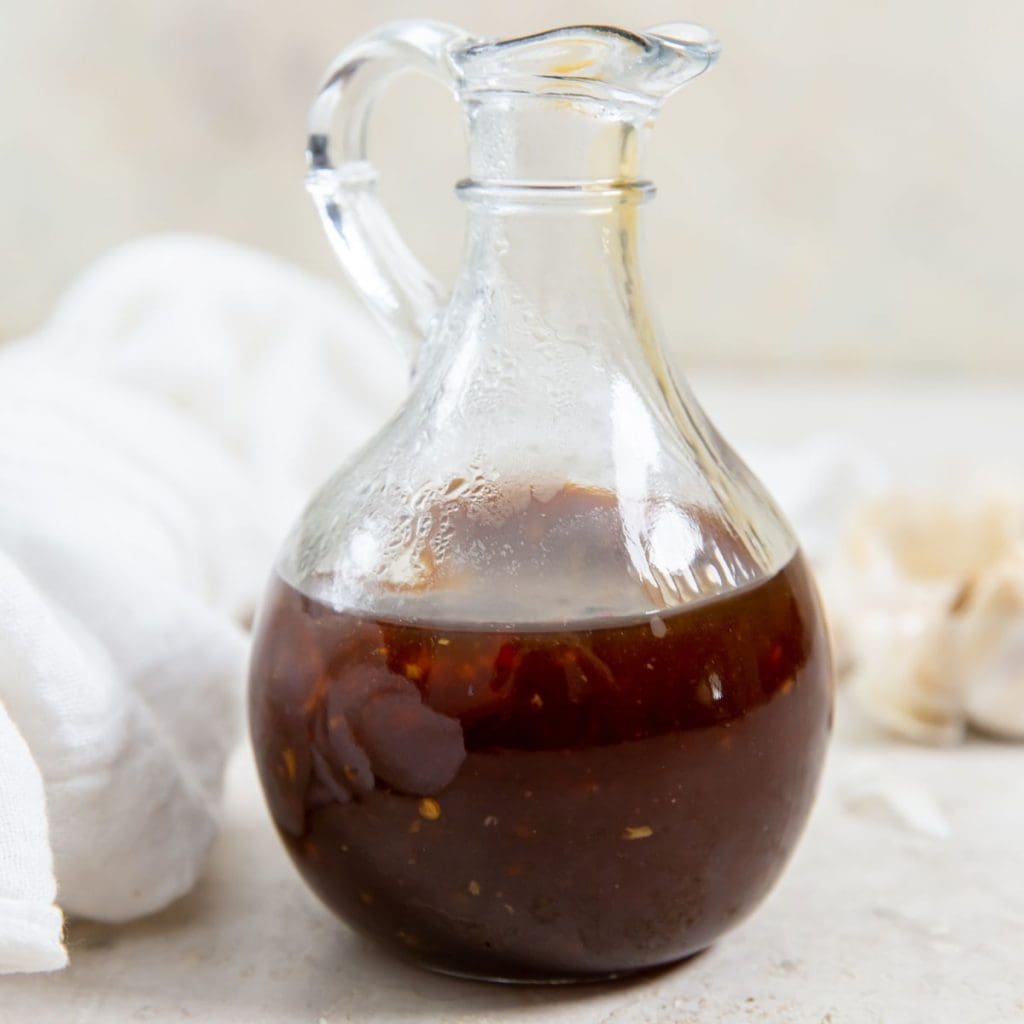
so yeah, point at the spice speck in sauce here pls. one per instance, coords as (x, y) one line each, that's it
(430, 809)
(638, 832)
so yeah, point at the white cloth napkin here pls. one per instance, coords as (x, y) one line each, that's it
(155, 440)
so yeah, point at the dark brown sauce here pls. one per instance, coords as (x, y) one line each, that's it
(538, 804)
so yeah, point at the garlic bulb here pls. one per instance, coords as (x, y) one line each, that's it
(926, 598)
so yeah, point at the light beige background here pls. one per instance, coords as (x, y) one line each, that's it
(844, 190)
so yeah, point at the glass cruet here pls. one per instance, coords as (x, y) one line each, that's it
(540, 688)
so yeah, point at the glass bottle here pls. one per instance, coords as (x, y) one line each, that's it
(540, 689)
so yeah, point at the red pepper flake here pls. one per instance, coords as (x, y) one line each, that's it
(316, 694)
(505, 658)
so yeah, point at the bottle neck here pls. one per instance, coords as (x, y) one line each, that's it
(551, 246)
(546, 332)
(551, 264)
(555, 140)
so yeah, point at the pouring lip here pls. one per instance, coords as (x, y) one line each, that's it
(647, 65)
(688, 36)
(481, 45)
(701, 40)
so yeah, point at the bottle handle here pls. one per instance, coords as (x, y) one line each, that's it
(391, 280)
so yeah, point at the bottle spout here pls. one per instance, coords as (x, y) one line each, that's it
(689, 50)
(591, 61)
(572, 107)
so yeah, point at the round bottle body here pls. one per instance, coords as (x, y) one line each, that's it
(544, 801)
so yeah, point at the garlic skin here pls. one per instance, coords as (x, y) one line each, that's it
(991, 648)
(926, 600)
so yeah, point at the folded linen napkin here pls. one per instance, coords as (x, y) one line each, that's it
(30, 923)
(155, 440)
